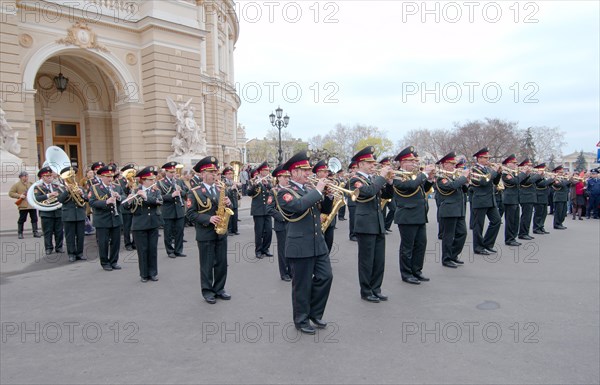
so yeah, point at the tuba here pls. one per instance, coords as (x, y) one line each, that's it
(57, 160)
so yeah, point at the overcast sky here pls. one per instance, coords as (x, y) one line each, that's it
(399, 65)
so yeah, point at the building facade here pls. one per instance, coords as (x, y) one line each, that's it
(569, 162)
(123, 59)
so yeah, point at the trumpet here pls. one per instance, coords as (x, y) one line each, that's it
(398, 174)
(452, 174)
(258, 179)
(353, 194)
(478, 175)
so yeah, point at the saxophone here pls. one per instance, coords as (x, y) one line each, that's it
(222, 212)
(338, 202)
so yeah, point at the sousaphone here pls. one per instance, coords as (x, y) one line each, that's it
(57, 160)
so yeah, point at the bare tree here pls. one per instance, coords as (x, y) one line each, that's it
(548, 142)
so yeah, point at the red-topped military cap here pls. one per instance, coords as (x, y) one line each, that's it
(149, 172)
(483, 152)
(557, 169)
(352, 165)
(320, 166)
(208, 163)
(128, 166)
(263, 166)
(512, 158)
(365, 155)
(525, 162)
(227, 169)
(298, 161)
(68, 169)
(448, 158)
(44, 171)
(541, 166)
(280, 171)
(461, 163)
(408, 153)
(385, 161)
(106, 171)
(170, 166)
(97, 165)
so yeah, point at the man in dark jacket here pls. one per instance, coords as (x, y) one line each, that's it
(305, 245)
(527, 199)
(52, 224)
(73, 217)
(512, 180)
(560, 186)
(541, 205)
(283, 180)
(410, 196)
(173, 192)
(259, 189)
(202, 205)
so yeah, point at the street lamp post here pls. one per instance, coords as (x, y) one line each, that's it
(279, 122)
(223, 148)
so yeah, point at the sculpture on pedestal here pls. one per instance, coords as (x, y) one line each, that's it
(9, 137)
(190, 137)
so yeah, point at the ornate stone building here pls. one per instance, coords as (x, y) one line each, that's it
(122, 59)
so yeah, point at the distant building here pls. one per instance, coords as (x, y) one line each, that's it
(569, 161)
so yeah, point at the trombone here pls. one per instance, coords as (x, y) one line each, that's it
(353, 194)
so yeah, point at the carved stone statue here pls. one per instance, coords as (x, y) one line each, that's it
(9, 136)
(189, 138)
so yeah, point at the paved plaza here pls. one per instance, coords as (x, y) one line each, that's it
(528, 315)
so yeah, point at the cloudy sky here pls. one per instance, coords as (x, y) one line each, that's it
(400, 65)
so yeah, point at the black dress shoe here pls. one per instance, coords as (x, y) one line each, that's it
(72, 258)
(171, 255)
(560, 227)
(60, 250)
(421, 277)
(512, 243)
(545, 232)
(154, 278)
(458, 261)
(319, 323)
(306, 329)
(526, 237)
(128, 248)
(144, 279)
(449, 264)
(268, 253)
(210, 299)
(286, 278)
(482, 252)
(116, 267)
(107, 268)
(81, 257)
(20, 236)
(133, 247)
(259, 256)
(236, 233)
(224, 295)
(342, 219)
(412, 280)
(538, 232)
(389, 230)
(48, 251)
(371, 298)
(184, 241)
(491, 250)
(354, 239)
(382, 297)
(180, 255)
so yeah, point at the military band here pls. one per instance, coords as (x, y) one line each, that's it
(527, 199)
(126, 182)
(483, 203)
(369, 224)
(512, 180)
(173, 193)
(52, 224)
(560, 186)
(73, 217)
(280, 224)
(144, 204)
(105, 199)
(321, 172)
(450, 187)
(233, 193)
(541, 203)
(410, 196)
(259, 190)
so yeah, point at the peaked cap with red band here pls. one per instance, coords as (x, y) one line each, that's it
(262, 166)
(557, 169)
(385, 161)
(128, 166)
(408, 153)
(169, 166)
(227, 169)
(67, 169)
(280, 171)
(107, 171)
(364, 155)
(483, 152)
(298, 161)
(44, 171)
(512, 158)
(461, 162)
(525, 162)
(97, 165)
(352, 165)
(208, 163)
(149, 172)
(540, 166)
(320, 166)
(448, 158)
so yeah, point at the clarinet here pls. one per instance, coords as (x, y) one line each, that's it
(115, 211)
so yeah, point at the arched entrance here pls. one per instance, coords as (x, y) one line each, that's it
(85, 119)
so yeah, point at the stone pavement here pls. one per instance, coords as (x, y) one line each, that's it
(527, 315)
